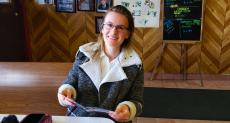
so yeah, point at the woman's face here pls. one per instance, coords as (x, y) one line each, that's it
(115, 30)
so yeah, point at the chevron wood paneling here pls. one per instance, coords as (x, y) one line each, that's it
(137, 41)
(55, 37)
(194, 53)
(213, 35)
(151, 47)
(152, 43)
(225, 51)
(90, 27)
(40, 32)
(78, 31)
(59, 35)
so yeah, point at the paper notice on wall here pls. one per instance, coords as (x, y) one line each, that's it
(146, 13)
(45, 1)
(4, 1)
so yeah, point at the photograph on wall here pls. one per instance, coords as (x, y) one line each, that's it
(85, 5)
(68, 6)
(103, 5)
(5, 1)
(146, 13)
(45, 1)
(98, 23)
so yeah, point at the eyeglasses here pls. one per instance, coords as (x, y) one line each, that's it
(119, 28)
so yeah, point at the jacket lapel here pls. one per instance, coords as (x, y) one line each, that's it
(116, 73)
(92, 69)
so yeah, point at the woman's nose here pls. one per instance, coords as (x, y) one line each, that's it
(114, 29)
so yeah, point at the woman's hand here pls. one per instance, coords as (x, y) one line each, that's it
(65, 97)
(121, 114)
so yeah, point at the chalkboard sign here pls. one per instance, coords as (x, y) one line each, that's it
(182, 20)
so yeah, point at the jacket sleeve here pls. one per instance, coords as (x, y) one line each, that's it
(71, 81)
(136, 92)
(72, 78)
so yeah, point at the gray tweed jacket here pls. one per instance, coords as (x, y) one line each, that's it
(112, 91)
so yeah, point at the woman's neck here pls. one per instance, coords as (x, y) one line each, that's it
(112, 53)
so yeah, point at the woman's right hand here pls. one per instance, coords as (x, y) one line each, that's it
(65, 97)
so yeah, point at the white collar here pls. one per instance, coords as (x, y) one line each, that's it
(126, 58)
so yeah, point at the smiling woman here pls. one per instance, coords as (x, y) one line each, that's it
(106, 74)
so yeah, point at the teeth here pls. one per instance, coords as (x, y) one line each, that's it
(111, 37)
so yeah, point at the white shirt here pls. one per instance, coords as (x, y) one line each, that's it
(106, 65)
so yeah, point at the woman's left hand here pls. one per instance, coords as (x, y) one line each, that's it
(121, 114)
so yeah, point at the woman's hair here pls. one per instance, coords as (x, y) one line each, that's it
(124, 11)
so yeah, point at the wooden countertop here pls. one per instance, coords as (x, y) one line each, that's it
(27, 87)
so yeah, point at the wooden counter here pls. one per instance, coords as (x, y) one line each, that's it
(27, 87)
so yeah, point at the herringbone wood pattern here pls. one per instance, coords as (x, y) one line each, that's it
(225, 51)
(213, 35)
(56, 36)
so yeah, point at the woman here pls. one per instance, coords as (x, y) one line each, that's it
(107, 74)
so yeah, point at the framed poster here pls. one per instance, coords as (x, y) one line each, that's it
(182, 20)
(5, 1)
(103, 5)
(68, 6)
(146, 13)
(86, 5)
(45, 1)
(98, 23)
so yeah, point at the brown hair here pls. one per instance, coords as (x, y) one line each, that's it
(124, 11)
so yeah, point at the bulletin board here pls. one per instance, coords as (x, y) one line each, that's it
(182, 20)
(146, 13)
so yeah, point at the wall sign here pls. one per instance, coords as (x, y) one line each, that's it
(85, 5)
(5, 1)
(182, 20)
(68, 6)
(103, 5)
(146, 13)
(45, 1)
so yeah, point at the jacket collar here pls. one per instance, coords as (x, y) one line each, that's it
(92, 68)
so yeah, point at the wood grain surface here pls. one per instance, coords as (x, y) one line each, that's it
(31, 87)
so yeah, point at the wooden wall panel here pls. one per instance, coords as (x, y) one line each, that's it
(56, 37)
(152, 42)
(225, 51)
(59, 35)
(213, 35)
(194, 53)
(137, 41)
(151, 47)
(40, 32)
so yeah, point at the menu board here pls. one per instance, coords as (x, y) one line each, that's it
(182, 20)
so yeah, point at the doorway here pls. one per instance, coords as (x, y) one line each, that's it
(12, 37)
